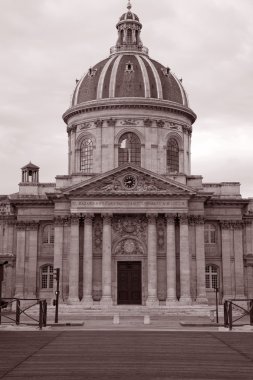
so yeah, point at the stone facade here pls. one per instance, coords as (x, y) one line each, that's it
(129, 198)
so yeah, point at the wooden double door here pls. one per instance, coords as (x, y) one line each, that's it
(129, 283)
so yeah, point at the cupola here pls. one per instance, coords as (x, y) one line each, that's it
(30, 173)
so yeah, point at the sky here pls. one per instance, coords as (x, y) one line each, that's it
(46, 45)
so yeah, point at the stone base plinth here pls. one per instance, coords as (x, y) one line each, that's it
(185, 301)
(87, 301)
(201, 300)
(152, 302)
(171, 302)
(106, 301)
(73, 301)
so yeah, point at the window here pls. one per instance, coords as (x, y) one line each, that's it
(210, 234)
(48, 234)
(129, 149)
(129, 36)
(86, 156)
(211, 277)
(173, 156)
(47, 277)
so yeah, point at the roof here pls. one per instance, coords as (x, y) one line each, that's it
(131, 75)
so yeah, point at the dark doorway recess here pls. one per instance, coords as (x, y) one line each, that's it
(129, 283)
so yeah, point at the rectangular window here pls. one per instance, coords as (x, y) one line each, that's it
(207, 281)
(44, 281)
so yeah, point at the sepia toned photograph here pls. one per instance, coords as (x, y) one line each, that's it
(126, 193)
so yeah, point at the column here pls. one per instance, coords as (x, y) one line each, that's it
(58, 251)
(152, 299)
(226, 234)
(250, 280)
(171, 261)
(239, 266)
(20, 260)
(73, 168)
(31, 269)
(74, 261)
(87, 262)
(200, 261)
(185, 278)
(106, 299)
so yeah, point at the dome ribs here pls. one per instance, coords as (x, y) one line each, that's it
(171, 87)
(152, 81)
(102, 78)
(129, 83)
(157, 78)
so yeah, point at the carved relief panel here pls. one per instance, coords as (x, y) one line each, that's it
(129, 235)
(97, 235)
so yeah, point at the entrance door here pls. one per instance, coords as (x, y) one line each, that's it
(129, 283)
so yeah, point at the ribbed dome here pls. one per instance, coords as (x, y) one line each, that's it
(129, 75)
(129, 16)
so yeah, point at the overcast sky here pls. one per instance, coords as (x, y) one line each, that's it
(46, 44)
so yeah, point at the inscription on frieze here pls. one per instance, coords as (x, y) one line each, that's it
(82, 205)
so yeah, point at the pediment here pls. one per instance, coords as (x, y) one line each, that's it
(128, 180)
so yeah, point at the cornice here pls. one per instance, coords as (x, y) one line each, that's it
(130, 103)
(226, 202)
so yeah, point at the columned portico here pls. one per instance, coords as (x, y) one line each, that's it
(20, 260)
(152, 299)
(239, 266)
(58, 250)
(185, 279)
(226, 233)
(171, 261)
(200, 260)
(87, 261)
(74, 261)
(106, 299)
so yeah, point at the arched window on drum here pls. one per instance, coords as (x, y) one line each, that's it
(212, 280)
(86, 156)
(210, 234)
(129, 149)
(172, 156)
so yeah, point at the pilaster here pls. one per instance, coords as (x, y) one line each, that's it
(87, 262)
(58, 251)
(200, 260)
(239, 266)
(226, 239)
(152, 299)
(74, 261)
(106, 299)
(171, 261)
(31, 269)
(20, 259)
(185, 297)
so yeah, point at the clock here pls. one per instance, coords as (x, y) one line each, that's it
(129, 181)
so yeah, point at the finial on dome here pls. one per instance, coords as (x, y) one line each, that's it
(129, 5)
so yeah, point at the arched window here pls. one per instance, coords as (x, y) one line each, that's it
(48, 234)
(129, 36)
(86, 156)
(211, 277)
(47, 277)
(210, 234)
(129, 149)
(172, 156)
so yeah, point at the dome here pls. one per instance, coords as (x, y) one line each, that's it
(129, 75)
(129, 16)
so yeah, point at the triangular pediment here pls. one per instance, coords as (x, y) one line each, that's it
(128, 180)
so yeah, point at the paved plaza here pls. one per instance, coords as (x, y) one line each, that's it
(61, 355)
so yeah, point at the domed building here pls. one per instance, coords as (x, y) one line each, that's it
(129, 224)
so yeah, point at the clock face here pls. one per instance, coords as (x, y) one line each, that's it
(129, 181)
